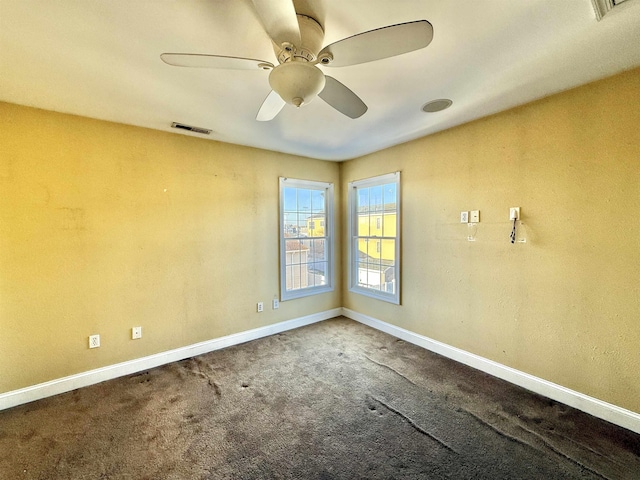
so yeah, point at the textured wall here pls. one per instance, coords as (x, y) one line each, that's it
(565, 305)
(104, 227)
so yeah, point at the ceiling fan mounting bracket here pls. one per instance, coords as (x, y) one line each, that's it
(311, 38)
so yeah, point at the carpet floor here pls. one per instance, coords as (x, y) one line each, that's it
(334, 400)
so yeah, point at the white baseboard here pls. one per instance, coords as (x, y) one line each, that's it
(84, 379)
(606, 411)
(598, 408)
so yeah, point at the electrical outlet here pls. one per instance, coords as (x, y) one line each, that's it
(514, 213)
(94, 341)
(464, 217)
(260, 307)
(276, 304)
(136, 332)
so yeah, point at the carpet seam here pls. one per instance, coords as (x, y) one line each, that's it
(415, 425)
(391, 368)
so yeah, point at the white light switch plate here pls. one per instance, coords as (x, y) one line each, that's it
(475, 216)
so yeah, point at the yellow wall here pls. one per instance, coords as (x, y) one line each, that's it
(565, 306)
(104, 227)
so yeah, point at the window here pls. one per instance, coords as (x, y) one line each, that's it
(306, 243)
(374, 232)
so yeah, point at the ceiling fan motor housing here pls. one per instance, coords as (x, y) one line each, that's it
(297, 82)
(311, 38)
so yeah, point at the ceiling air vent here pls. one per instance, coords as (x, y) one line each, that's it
(204, 131)
(602, 7)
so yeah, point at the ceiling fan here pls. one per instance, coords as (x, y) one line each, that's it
(297, 42)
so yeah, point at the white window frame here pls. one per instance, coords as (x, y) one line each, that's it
(353, 237)
(328, 237)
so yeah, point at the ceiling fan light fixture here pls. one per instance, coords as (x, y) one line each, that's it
(297, 82)
(297, 42)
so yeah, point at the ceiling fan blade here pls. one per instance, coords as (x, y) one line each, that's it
(342, 99)
(279, 20)
(214, 61)
(380, 43)
(270, 107)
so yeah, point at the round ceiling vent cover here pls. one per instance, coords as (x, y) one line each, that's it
(437, 105)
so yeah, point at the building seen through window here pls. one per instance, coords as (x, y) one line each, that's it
(305, 212)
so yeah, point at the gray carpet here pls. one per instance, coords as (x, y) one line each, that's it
(335, 400)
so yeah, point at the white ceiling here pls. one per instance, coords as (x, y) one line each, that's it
(101, 59)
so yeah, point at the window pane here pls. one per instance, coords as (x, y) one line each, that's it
(375, 249)
(289, 278)
(296, 270)
(317, 201)
(290, 224)
(291, 251)
(363, 248)
(375, 275)
(304, 200)
(362, 209)
(376, 199)
(388, 280)
(389, 224)
(362, 274)
(369, 275)
(363, 225)
(363, 200)
(311, 278)
(390, 208)
(388, 252)
(375, 222)
(305, 246)
(316, 225)
(390, 196)
(317, 261)
(318, 249)
(290, 199)
(303, 227)
(320, 277)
